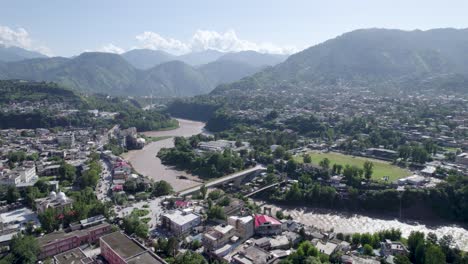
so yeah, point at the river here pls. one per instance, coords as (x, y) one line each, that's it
(145, 162)
(345, 222)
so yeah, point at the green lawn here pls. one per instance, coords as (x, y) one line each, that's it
(381, 168)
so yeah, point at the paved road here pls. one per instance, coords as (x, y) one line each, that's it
(224, 179)
(104, 183)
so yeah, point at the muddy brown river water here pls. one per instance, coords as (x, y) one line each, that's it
(145, 162)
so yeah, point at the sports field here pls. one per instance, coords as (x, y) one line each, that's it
(381, 168)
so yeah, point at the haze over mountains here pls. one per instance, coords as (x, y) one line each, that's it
(375, 58)
(138, 72)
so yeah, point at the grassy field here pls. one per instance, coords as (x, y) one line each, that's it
(381, 168)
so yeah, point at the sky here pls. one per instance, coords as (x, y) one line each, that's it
(70, 27)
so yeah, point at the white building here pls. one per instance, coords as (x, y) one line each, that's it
(180, 222)
(244, 225)
(23, 174)
(66, 139)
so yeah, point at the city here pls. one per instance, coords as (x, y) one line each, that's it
(351, 148)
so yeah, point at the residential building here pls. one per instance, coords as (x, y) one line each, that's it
(253, 255)
(267, 225)
(392, 248)
(118, 248)
(217, 237)
(462, 158)
(66, 139)
(180, 222)
(244, 226)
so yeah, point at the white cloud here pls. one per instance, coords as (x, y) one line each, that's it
(151, 40)
(111, 48)
(207, 39)
(20, 38)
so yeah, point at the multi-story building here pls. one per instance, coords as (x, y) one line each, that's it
(244, 226)
(217, 237)
(60, 241)
(180, 222)
(267, 225)
(24, 174)
(66, 139)
(118, 248)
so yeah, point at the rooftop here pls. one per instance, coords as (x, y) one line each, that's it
(181, 218)
(265, 219)
(74, 256)
(122, 245)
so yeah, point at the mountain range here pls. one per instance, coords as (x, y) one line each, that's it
(381, 59)
(140, 72)
(11, 53)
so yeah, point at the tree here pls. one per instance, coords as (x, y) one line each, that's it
(67, 172)
(432, 237)
(325, 164)
(270, 168)
(279, 152)
(172, 246)
(161, 188)
(368, 169)
(307, 158)
(368, 250)
(190, 257)
(133, 225)
(414, 240)
(130, 186)
(434, 255)
(356, 239)
(24, 249)
(401, 259)
(203, 191)
(12, 194)
(48, 220)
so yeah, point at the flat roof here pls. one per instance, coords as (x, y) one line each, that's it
(122, 245)
(73, 256)
(58, 235)
(180, 218)
(145, 258)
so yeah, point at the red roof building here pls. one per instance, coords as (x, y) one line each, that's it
(267, 225)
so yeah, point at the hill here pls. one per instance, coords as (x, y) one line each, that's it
(8, 54)
(379, 59)
(201, 57)
(97, 72)
(146, 58)
(254, 58)
(173, 78)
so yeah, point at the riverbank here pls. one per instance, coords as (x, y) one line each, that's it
(347, 222)
(146, 162)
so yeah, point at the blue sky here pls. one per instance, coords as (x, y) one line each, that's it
(66, 28)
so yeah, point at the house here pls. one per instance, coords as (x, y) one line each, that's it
(267, 225)
(118, 248)
(392, 248)
(462, 158)
(244, 226)
(217, 237)
(180, 222)
(326, 248)
(381, 153)
(253, 255)
(66, 139)
(414, 180)
(428, 171)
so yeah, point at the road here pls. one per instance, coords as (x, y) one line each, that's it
(224, 179)
(104, 183)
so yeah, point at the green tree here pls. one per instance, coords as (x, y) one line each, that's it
(356, 239)
(368, 169)
(24, 249)
(12, 194)
(307, 158)
(434, 255)
(401, 259)
(48, 220)
(368, 250)
(414, 240)
(325, 164)
(162, 188)
(67, 172)
(203, 191)
(190, 257)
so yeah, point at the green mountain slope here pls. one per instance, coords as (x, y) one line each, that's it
(146, 58)
(373, 58)
(8, 54)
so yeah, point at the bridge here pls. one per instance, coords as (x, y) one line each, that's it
(265, 188)
(236, 177)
